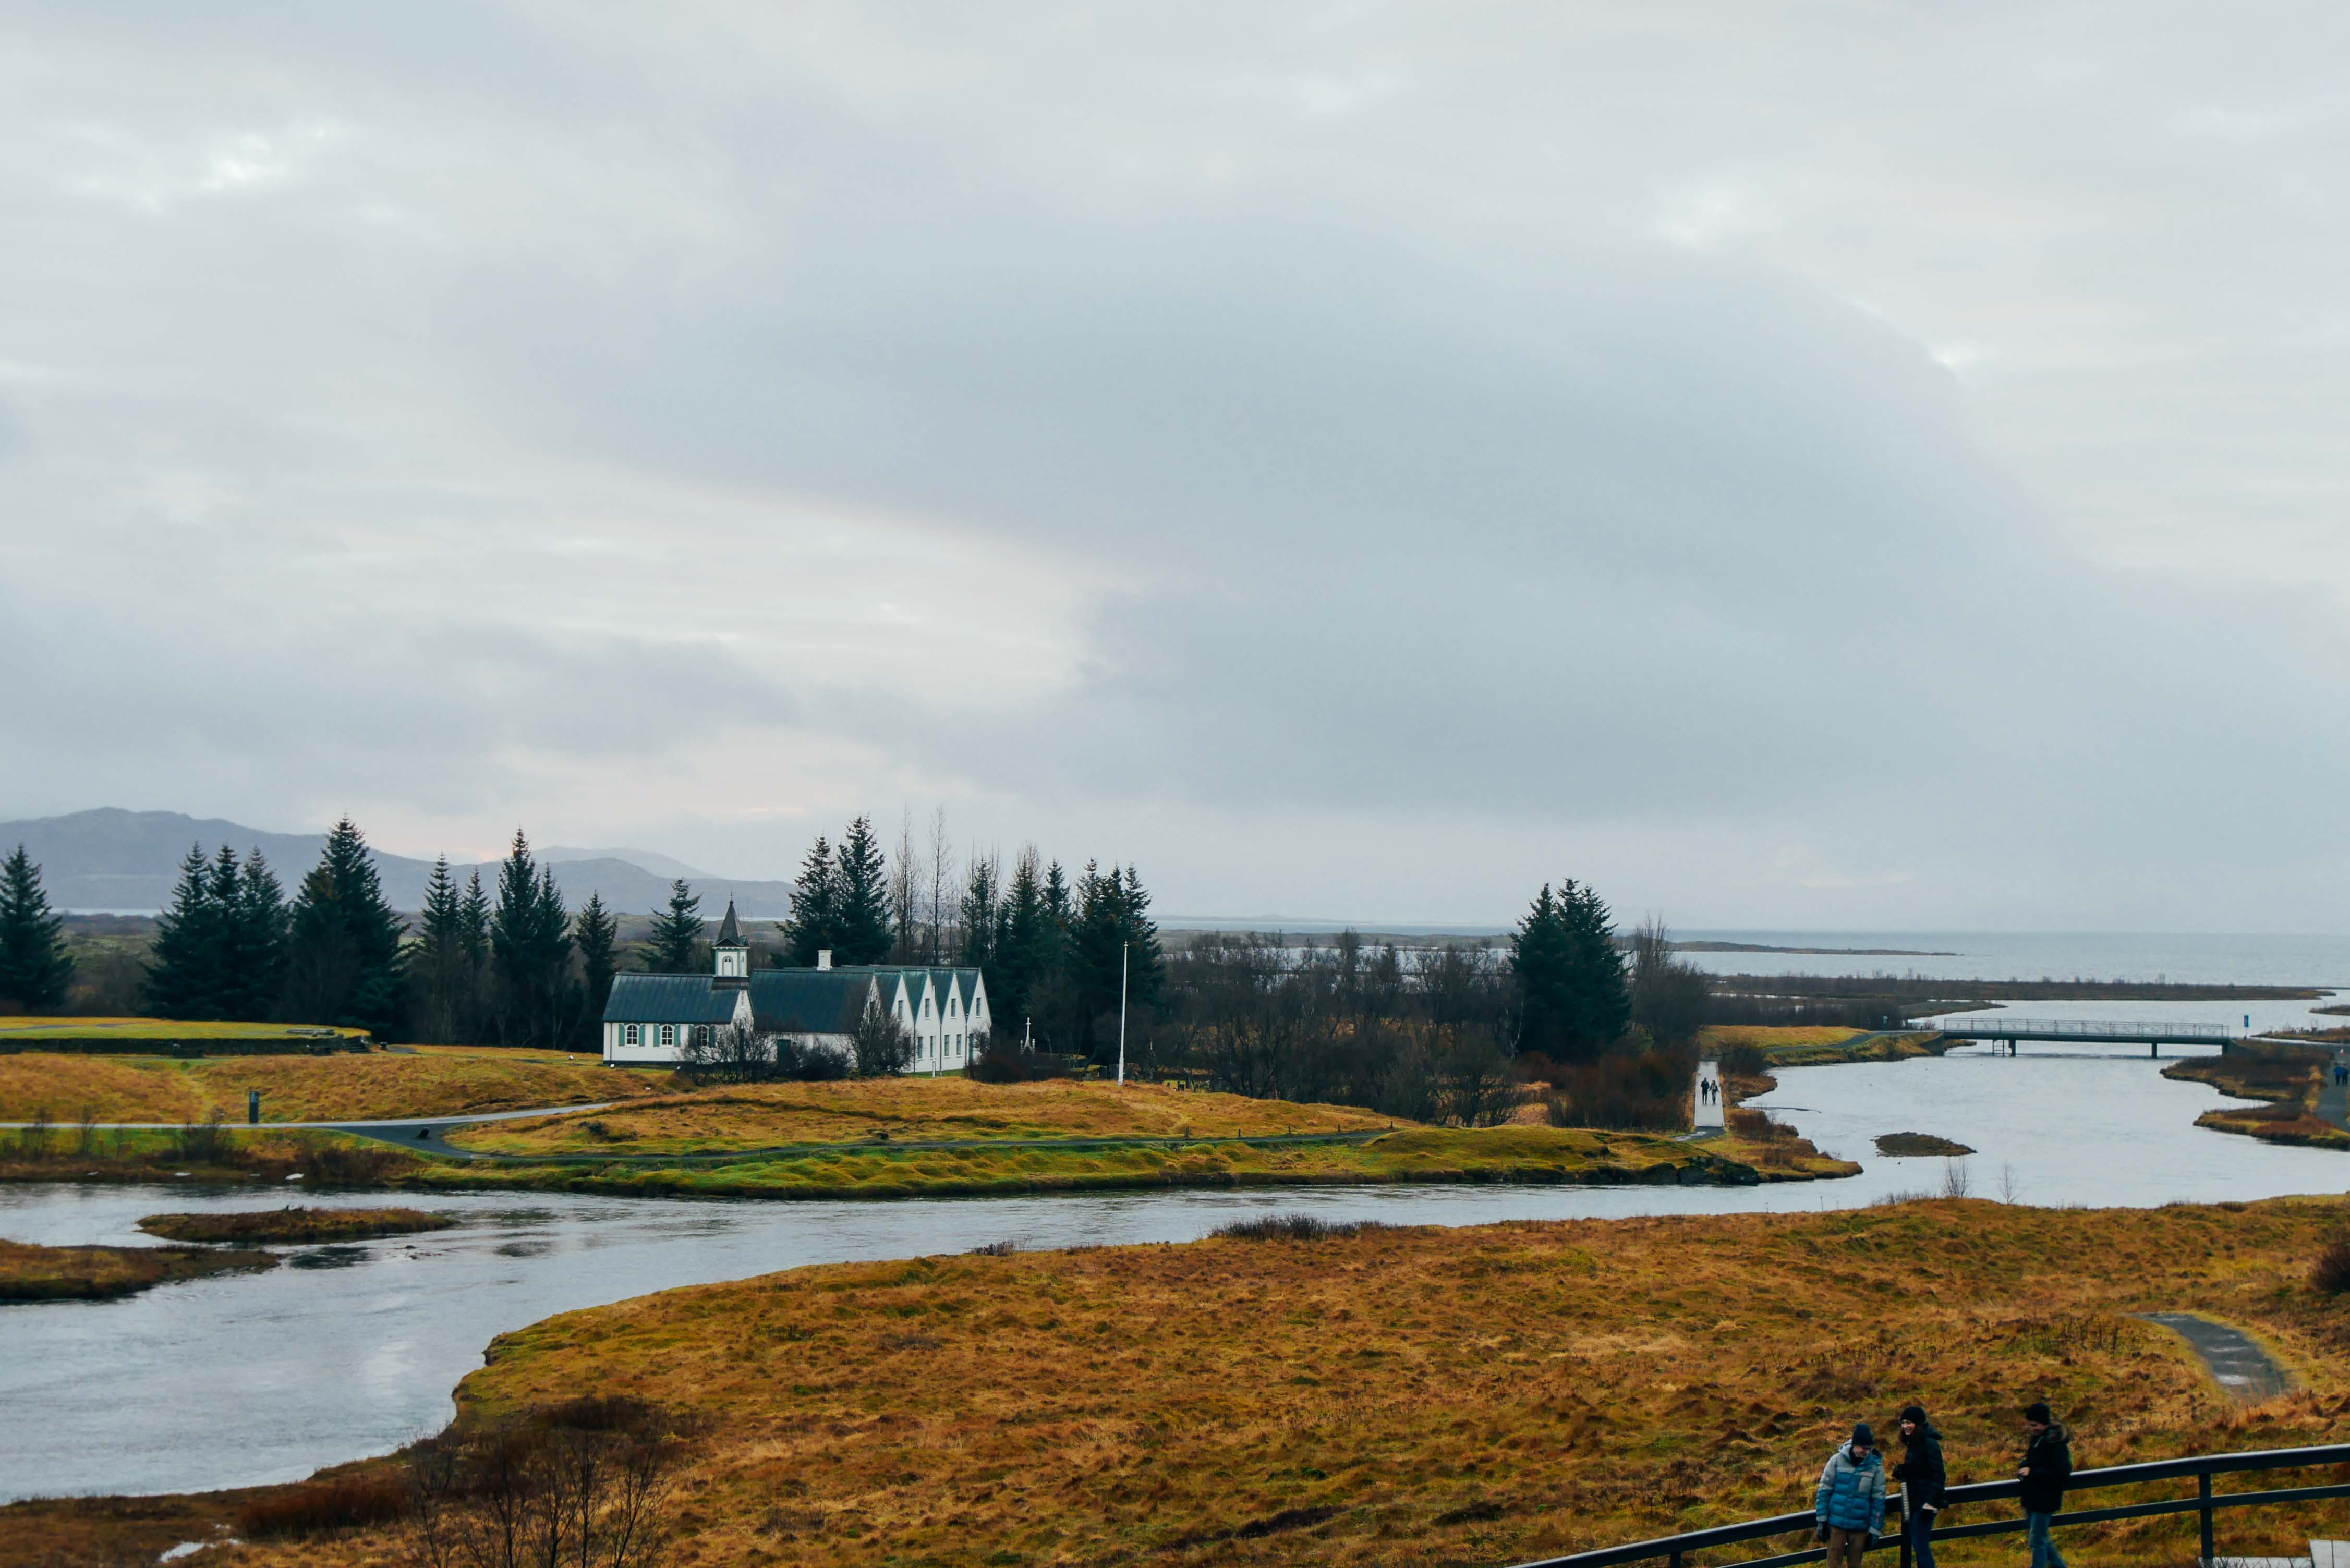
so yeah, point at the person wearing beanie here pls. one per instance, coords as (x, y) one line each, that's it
(1850, 1503)
(1923, 1482)
(2046, 1467)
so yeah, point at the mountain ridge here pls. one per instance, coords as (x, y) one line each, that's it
(110, 859)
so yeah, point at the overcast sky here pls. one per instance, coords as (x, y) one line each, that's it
(1845, 466)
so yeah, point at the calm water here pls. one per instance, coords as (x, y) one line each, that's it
(352, 1350)
(2043, 955)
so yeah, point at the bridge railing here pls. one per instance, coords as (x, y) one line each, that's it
(2083, 1028)
(1674, 1549)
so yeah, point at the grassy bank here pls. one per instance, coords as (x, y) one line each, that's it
(2287, 1080)
(201, 1155)
(924, 1110)
(293, 1225)
(1758, 1048)
(1414, 1396)
(1538, 1155)
(31, 1273)
(435, 1081)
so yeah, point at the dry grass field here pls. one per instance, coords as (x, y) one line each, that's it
(73, 1026)
(1409, 1397)
(918, 1110)
(2289, 1083)
(32, 1273)
(1718, 1037)
(437, 1081)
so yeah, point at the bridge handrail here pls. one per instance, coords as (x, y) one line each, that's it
(2202, 1466)
(2084, 1028)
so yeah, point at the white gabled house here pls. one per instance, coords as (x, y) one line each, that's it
(651, 1019)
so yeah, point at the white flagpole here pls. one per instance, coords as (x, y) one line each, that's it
(1122, 948)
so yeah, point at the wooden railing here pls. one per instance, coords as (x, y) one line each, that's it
(2201, 1468)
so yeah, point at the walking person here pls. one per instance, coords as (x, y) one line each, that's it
(2045, 1469)
(1923, 1482)
(1850, 1503)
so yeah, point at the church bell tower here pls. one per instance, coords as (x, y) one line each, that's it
(731, 952)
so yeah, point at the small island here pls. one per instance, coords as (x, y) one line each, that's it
(292, 1224)
(29, 1273)
(1910, 1145)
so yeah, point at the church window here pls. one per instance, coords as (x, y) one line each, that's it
(701, 1034)
(669, 1034)
(632, 1035)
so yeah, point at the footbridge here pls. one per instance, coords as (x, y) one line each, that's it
(2003, 1027)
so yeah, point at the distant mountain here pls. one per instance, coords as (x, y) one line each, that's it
(129, 860)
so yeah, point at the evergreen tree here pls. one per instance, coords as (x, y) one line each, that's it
(180, 980)
(597, 933)
(980, 914)
(530, 952)
(1113, 945)
(1603, 1003)
(343, 949)
(476, 921)
(861, 896)
(1571, 1003)
(441, 964)
(815, 925)
(256, 918)
(676, 933)
(35, 968)
(1024, 945)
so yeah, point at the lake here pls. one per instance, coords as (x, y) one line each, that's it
(352, 1350)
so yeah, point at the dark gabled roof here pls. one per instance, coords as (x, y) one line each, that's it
(730, 934)
(667, 998)
(810, 1000)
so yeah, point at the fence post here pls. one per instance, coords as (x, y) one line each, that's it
(2203, 1490)
(1674, 1561)
(1901, 1522)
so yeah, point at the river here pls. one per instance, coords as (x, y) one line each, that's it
(351, 1350)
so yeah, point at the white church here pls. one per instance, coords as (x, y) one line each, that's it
(651, 1019)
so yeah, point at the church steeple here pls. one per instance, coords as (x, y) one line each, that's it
(730, 952)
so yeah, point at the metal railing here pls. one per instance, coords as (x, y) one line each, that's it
(1673, 1548)
(2082, 1028)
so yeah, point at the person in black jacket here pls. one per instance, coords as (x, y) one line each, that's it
(1923, 1482)
(2047, 1466)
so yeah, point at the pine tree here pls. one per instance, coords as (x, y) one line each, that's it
(180, 980)
(815, 925)
(256, 919)
(676, 933)
(861, 896)
(1572, 1004)
(979, 913)
(597, 933)
(1603, 1003)
(343, 950)
(530, 952)
(1024, 946)
(35, 968)
(441, 963)
(1145, 959)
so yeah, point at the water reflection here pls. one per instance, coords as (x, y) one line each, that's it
(257, 1377)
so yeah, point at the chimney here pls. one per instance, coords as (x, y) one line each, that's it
(824, 958)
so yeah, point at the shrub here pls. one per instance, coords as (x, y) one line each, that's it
(995, 1250)
(1293, 1227)
(1646, 1092)
(321, 1507)
(587, 1481)
(1746, 1060)
(2331, 1270)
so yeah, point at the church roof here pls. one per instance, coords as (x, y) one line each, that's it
(667, 998)
(730, 934)
(807, 1001)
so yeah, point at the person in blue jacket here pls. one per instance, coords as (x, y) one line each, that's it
(1850, 1504)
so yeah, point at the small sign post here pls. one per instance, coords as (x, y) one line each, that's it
(253, 1107)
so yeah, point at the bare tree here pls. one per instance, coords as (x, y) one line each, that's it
(941, 869)
(585, 1484)
(735, 1054)
(879, 1045)
(905, 880)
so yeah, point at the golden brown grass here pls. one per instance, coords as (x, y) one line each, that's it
(35, 1273)
(306, 1088)
(1424, 1396)
(1717, 1037)
(2289, 1081)
(161, 1028)
(918, 1110)
(1509, 1154)
(292, 1225)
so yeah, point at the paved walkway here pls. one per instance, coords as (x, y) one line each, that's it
(2246, 1371)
